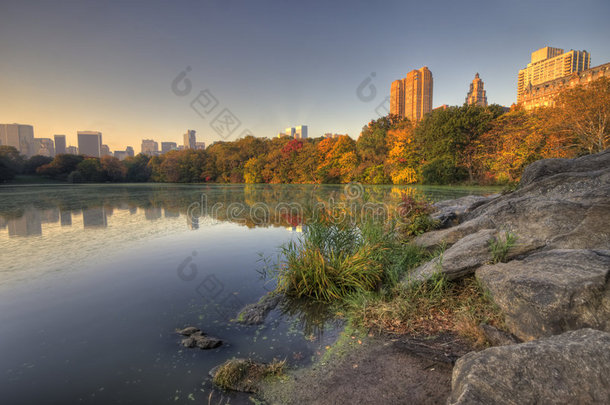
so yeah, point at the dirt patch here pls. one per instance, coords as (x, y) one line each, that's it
(379, 370)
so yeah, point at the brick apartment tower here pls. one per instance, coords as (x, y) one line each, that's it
(477, 94)
(549, 64)
(411, 97)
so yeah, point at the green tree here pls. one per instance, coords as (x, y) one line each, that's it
(91, 170)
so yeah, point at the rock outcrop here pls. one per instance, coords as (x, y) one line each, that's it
(571, 368)
(450, 212)
(557, 274)
(469, 253)
(551, 292)
(562, 204)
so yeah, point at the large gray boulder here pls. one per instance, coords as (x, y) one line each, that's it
(550, 167)
(563, 202)
(468, 254)
(552, 291)
(571, 368)
(450, 212)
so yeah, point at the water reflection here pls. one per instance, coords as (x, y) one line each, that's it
(26, 210)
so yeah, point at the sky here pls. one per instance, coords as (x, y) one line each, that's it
(257, 67)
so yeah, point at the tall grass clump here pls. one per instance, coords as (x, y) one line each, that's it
(330, 261)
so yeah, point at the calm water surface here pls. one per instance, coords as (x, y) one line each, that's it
(95, 278)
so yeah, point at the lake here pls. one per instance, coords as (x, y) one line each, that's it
(94, 280)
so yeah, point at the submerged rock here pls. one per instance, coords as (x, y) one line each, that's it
(196, 338)
(571, 368)
(255, 314)
(551, 292)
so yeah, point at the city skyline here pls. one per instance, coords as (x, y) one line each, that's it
(310, 75)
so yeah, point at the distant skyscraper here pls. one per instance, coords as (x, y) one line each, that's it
(21, 137)
(72, 150)
(411, 97)
(477, 95)
(190, 140)
(397, 97)
(167, 146)
(300, 132)
(129, 151)
(44, 147)
(549, 64)
(200, 145)
(60, 144)
(149, 147)
(90, 143)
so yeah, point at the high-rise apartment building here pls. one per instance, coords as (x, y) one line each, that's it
(190, 139)
(21, 137)
(129, 151)
(149, 147)
(90, 143)
(72, 150)
(411, 97)
(167, 146)
(544, 94)
(549, 64)
(200, 145)
(477, 94)
(60, 144)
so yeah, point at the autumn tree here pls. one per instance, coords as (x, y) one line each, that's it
(582, 113)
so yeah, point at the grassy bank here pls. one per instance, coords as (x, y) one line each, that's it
(359, 268)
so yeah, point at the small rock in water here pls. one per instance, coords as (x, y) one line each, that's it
(196, 338)
(188, 331)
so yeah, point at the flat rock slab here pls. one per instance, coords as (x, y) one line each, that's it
(571, 368)
(551, 292)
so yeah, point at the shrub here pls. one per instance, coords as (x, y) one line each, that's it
(414, 215)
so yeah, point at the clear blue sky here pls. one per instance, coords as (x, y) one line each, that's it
(108, 66)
